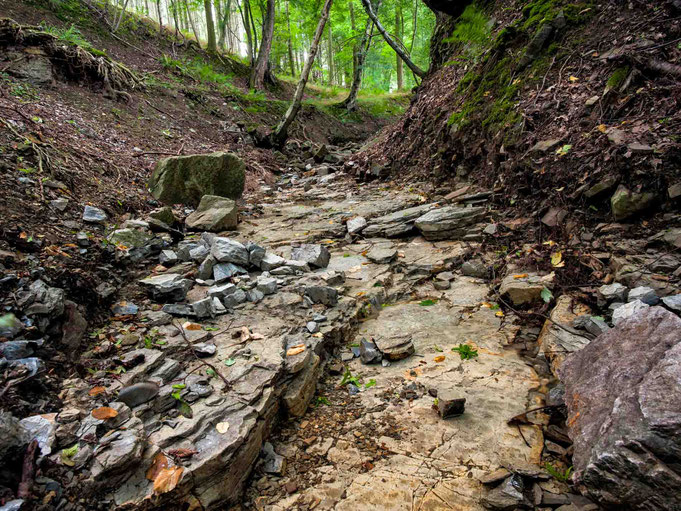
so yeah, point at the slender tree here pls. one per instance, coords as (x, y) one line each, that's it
(399, 29)
(280, 134)
(160, 18)
(359, 56)
(291, 61)
(244, 11)
(210, 26)
(402, 54)
(332, 70)
(257, 80)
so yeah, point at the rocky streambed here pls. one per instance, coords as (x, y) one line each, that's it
(341, 347)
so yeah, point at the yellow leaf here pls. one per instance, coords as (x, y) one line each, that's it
(222, 427)
(499, 314)
(440, 358)
(556, 258)
(520, 276)
(574, 79)
(167, 479)
(103, 413)
(602, 128)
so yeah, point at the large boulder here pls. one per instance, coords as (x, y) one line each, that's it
(185, 179)
(214, 214)
(623, 392)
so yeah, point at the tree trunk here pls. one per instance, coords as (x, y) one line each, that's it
(332, 67)
(247, 27)
(414, 68)
(358, 58)
(210, 27)
(413, 31)
(173, 9)
(281, 132)
(398, 34)
(193, 25)
(254, 31)
(292, 63)
(257, 80)
(160, 18)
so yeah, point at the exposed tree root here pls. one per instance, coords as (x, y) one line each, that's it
(72, 60)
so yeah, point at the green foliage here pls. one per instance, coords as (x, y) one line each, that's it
(321, 400)
(427, 303)
(557, 473)
(473, 29)
(349, 378)
(72, 36)
(465, 351)
(546, 295)
(370, 383)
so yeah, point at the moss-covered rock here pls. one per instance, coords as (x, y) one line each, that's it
(625, 203)
(185, 179)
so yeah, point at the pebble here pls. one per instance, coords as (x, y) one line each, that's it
(138, 393)
(94, 215)
(312, 327)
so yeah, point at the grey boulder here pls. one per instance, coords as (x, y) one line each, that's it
(314, 255)
(226, 250)
(214, 214)
(623, 397)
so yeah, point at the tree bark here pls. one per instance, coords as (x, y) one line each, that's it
(280, 134)
(210, 26)
(292, 63)
(247, 27)
(160, 18)
(359, 56)
(398, 34)
(414, 68)
(332, 67)
(193, 25)
(257, 79)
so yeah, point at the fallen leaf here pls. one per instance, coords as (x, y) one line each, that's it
(167, 479)
(222, 427)
(103, 413)
(574, 79)
(556, 258)
(602, 128)
(160, 463)
(191, 326)
(182, 453)
(96, 391)
(441, 358)
(294, 350)
(520, 276)
(499, 314)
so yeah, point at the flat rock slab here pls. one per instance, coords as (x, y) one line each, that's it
(432, 460)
